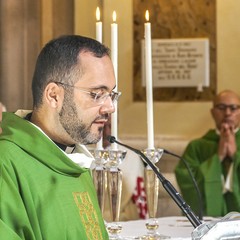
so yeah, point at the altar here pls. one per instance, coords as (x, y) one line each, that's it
(179, 228)
(175, 227)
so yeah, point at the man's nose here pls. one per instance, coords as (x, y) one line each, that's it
(228, 111)
(108, 106)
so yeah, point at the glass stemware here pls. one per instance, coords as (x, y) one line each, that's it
(114, 175)
(152, 190)
(100, 175)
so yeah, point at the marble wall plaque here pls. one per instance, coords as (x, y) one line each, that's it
(178, 63)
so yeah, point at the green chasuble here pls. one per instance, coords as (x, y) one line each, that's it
(43, 194)
(201, 156)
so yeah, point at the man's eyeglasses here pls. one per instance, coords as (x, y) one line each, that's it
(224, 107)
(99, 96)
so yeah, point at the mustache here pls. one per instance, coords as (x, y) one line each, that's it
(102, 117)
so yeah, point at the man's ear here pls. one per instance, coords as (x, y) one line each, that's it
(53, 95)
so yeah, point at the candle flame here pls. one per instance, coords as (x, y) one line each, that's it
(114, 16)
(98, 14)
(147, 15)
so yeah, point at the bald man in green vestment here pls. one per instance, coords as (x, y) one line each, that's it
(215, 161)
(46, 187)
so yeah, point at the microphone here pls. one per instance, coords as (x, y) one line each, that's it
(166, 184)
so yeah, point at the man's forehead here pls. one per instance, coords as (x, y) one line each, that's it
(227, 98)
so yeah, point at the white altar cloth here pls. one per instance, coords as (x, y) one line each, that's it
(177, 228)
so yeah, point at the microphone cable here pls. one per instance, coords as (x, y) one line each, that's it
(199, 195)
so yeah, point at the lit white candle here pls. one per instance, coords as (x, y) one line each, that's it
(114, 57)
(98, 26)
(99, 38)
(148, 68)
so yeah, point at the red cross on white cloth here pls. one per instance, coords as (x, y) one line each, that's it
(139, 198)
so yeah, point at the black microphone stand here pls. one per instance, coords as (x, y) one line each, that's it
(167, 186)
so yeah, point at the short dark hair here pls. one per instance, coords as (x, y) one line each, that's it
(57, 60)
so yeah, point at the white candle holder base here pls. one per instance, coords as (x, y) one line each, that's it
(152, 234)
(114, 229)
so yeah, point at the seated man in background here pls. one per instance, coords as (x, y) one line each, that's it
(133, 201)
(215, 161)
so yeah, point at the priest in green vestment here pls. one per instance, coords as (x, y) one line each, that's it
(46, 187)
(214, 160)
